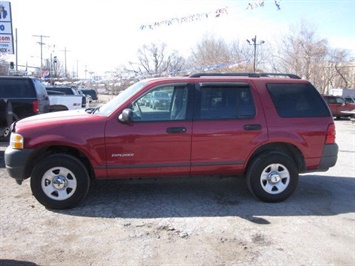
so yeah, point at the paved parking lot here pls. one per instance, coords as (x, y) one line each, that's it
(200, 221)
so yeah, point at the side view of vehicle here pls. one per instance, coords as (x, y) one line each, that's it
(68, 91)
(339, 106)
(59, 101)
(265, 127)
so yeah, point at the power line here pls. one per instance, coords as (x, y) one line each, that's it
(41, 43)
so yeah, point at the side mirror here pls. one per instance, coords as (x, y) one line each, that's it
(126, 116)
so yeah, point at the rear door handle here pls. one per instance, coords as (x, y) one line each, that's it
(250, 127)
(171, 130)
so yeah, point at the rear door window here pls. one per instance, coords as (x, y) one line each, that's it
(297, 100)
(224, 101)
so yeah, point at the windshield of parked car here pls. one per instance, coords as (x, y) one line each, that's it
(112, 105)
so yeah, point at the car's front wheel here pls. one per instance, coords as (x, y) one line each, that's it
(272, 177)
(60, 181)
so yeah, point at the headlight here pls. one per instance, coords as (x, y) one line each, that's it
(16, 141)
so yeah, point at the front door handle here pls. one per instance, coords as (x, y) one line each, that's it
(175, 130)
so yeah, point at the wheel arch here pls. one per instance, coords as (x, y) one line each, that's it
(44, 152)
(58, 107)
(292, 151)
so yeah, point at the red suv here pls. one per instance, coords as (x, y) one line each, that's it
(339, 107)
(265, 127)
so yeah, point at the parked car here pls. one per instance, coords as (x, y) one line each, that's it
(68, 91)
(87, 96)
(59, 101)
(21, 97)
(339, 106)
(146, 100)
(91, 93)
(265, 127)
(160, 100)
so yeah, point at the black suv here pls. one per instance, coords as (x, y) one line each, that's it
(20, 97)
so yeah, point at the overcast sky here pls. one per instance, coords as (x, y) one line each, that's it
(104, 34)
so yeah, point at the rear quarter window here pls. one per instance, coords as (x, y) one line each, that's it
(16, 88)
(41, 90)
(297, 100)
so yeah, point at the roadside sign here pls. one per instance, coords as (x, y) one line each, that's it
(6, 36)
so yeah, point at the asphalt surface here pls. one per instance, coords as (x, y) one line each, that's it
(199, 221)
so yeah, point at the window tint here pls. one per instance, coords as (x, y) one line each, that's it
(66, 90)
(163, 103)
(297, 100)
(16, 88)
(340, 100)
(330, 100)
(40, 89)
(225, 102)
(349, 100)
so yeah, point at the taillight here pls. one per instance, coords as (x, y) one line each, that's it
(35, 106)
(330, 137)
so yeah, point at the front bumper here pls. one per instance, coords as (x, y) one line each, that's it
(16, 162)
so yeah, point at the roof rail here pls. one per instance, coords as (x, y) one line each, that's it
(246, 74)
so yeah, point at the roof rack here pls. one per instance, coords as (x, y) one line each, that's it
(247, 74)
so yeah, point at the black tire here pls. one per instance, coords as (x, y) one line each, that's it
(10, 117)
(60, 181)
(272, 177)
(9, 113)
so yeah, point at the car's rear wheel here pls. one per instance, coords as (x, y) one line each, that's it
(60, 181)
(272, 177)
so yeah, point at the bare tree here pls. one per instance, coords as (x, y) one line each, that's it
(340, 70)
(56, 68)
(155, 60)
(4, 67)
(210, 51)
(215, 55)
(302, 53)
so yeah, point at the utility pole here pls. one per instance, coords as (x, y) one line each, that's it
(254, 43)
(16, 50)
(41, 43)
(65, 60)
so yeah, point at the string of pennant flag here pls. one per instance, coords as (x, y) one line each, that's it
(206, 15)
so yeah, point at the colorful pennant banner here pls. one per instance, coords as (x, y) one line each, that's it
(191, 18)
(202, 16)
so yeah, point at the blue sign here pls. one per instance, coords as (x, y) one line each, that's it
(6, 36)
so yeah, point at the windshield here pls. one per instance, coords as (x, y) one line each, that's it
(112, 105)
